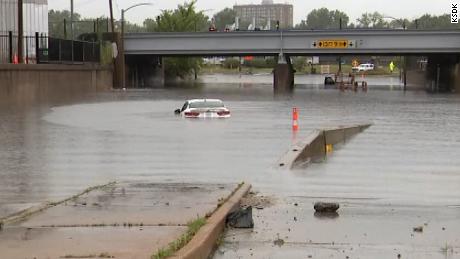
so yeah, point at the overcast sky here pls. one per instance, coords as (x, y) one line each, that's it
(354, 8)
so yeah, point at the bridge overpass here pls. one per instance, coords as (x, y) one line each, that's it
(441, 46)
(378, 42)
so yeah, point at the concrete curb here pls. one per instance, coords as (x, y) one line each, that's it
(204, 242)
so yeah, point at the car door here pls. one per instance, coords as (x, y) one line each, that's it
(184, 107)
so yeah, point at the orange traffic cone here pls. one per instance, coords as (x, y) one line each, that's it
(15, 59)
(295, 118)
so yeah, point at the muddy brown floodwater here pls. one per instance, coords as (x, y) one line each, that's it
(55, 147)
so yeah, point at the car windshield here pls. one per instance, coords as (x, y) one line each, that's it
(207, 104)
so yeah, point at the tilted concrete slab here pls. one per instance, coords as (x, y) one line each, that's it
(137, 203)
(125, 220)
(314, 145)
(88, 242)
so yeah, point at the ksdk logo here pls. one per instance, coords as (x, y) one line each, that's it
(454, 13)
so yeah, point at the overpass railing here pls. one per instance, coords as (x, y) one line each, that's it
(40, 48)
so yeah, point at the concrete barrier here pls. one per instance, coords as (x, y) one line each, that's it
(204, 242)
(34, 78)
(315, 145)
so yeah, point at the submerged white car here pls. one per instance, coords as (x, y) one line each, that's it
(203, 108)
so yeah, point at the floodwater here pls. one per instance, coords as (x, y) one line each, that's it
(56, 147)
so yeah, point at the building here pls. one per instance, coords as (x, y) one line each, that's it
(284, 13)
(35, 13)
(35, 16)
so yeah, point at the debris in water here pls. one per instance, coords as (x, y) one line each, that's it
(418, 229)
(241, 218)
(325, 207)
(278, 242)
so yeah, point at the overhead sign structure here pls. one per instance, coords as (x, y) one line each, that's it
(333, 44)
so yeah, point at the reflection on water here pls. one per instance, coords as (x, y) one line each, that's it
(55, 146)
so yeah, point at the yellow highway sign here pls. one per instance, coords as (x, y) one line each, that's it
(332, 44)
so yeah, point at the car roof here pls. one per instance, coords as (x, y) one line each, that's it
(203, 100)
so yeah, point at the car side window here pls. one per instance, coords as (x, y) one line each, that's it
(184, 107)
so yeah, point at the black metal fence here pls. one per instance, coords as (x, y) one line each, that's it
(59, 50)
(44, 49)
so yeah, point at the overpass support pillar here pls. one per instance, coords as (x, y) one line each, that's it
(283, 75)
(442, 73)
(457, 77)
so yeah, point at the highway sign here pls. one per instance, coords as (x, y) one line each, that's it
(332, 44)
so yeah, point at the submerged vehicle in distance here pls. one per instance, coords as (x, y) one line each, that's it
(203, 108)
(363, 67)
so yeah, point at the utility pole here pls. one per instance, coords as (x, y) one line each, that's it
(340, 57)
(111, 19)
(71, 28)
(122, 47)
(116, 70)
(20, 31)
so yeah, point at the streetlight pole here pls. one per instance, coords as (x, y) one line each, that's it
(195, 73)
(123, 11)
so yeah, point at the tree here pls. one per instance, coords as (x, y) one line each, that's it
(434, 22)
(56, 22)
(324, 18)
(224, 18)
(150, 25)
(183, 19)
(301, 26)
(60, 19)
(399, 24)
(133, 27)
(372, 20)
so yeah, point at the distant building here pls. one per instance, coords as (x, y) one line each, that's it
(35, 13)
(284, 13)
(35, 16)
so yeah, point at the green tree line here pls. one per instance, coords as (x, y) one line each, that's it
(324, 18)
(186, 18)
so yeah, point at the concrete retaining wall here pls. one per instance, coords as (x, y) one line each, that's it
(31, 80)
(314, 146)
